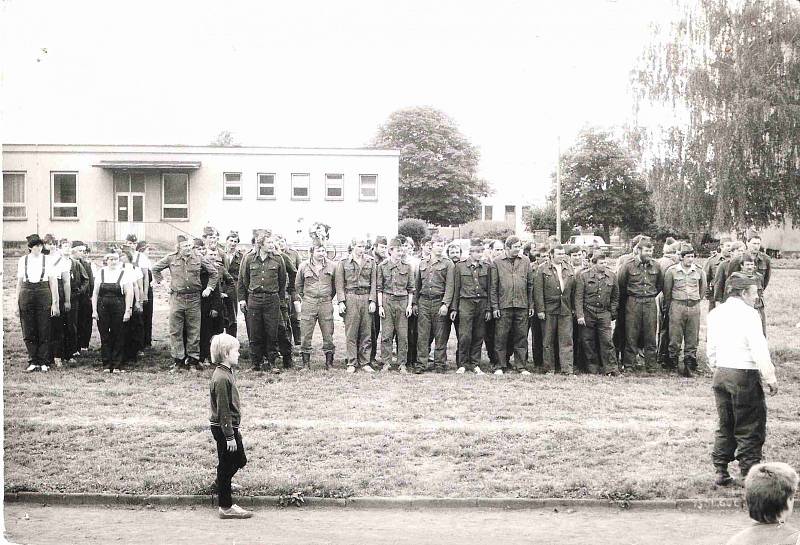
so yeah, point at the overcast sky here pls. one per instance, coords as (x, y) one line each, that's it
(513, 74)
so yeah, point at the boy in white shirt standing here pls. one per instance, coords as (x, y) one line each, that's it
(37, 294)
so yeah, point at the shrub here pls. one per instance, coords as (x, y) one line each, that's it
(486, 229)
(414, 228)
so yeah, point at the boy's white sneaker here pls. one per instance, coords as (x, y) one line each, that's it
(524, 372)
(44, 368)
(498, 372)
(351, 368)
(477, 370)
(31, 367)
(403, 370)
(460, 371)
(234, 512)
(367, 369)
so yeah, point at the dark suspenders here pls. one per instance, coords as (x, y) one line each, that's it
(103, 276)
(27, 279)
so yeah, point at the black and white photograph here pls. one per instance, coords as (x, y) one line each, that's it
(426, 272)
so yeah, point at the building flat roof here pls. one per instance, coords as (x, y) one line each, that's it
(190, 149)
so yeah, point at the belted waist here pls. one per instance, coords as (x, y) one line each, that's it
(686, 302)
(431, 295)
(396, 295)
(643, 296)
(357, 291)
(317, 296)
(185, 292)
(595, 306)
(36, 285)
(263, 293)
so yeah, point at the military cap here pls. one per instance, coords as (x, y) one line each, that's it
(380, 239)
(49, 238)
(573, 249)
(77, 243)
(209, 231)
(738, 281)
(63, 241)
(396, 242)
(198, 243)
(181, 238)
(131, 238)
(34, 240)
(233, 235)
(685, 249)
(476, 243)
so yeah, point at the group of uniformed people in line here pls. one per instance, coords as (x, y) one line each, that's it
(583, 314)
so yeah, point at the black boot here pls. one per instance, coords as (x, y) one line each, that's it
(328, 360)
(306, 361)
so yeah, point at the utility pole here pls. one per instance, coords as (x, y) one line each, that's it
(558, 192)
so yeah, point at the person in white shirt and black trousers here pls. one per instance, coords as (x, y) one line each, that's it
(738, 353)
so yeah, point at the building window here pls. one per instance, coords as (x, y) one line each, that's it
(368, 187)
(64, 193)
(232, 185)
(174, 196)
(266, 186)
(334, 187)
(487, 213)
(14, 196)
(301, 187)
(511, 214)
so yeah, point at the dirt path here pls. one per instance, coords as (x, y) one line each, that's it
(34, 524)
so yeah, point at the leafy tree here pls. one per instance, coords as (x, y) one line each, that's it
(601, 187)
(544, 217)
(730, 73)
(438, 166)
(224, 139)
(414, 228)
(498, 230)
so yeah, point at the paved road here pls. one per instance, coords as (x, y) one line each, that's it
(34, 524)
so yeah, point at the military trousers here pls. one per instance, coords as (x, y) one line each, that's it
(147, 319)
(742, 413)
(263, 315)
(316, 310)
(357, 329)
(184, 325)
(34, 313)
(431, 327)
(684, 328)
(85, 321)
(558, 341)
(71, 326)
(471, 330)
(111, 325)
(231, 308)
(664, 338)
(376, 338)
(511, 328)
(537, 341)
(598, 343)
(58, 327)
(641, 316)
(394, 324)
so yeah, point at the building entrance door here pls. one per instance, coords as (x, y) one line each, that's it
(129, 205)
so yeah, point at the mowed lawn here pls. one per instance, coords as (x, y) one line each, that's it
(333, 434)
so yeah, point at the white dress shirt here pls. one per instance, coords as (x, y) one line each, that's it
(736, 339)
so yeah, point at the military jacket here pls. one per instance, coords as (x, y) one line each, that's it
(596, 291)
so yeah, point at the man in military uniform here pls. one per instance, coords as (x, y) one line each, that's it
(212, 308)
(470, 305)
(553, 288)
(395, 289)
(578, 262)
(142, 260)
(262, 288)
(184, 301)
(538, 258)
(356, 285)
(232, 262)
(684, 288)
(668, 259)
(285, 335)
(433, 294)
(315, 286)
(619, 327)
(378, 253)
(512, 305)
(763, 266)
(751, 271)
(294, 320)
(454, 255)
(710, 270)
(84, 318)
(721, 275)
(640, 281)
(596, 303)
(79, 283)
(413, 261)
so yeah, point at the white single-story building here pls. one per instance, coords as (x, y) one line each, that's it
(508, 207)
(103, 192)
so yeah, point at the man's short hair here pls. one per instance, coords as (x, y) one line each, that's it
(575, 249)
(221, 346)
(768, 488)
(557, 247)
(380, 239)
(510, 241)
(410, 240)
(684, 249)
(669, 241)
(476, 243)
(737, 245)
(752, 236)
(460, 251)
(597, 255)
(424, 240)
(644, 242)
(396, 242)
(438, 239)
(316, 243)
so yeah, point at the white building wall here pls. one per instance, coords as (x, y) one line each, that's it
(348, 217)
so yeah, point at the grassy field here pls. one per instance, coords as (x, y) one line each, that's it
(332, 434)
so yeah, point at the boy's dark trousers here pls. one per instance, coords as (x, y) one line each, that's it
(229, 464)
(147, 319)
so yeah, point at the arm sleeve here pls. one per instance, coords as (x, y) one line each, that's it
(448, 285)
(339, 281)
(703, 286)
(494, 287)
(410, 283)
(623, 282)
(759, 349)
(614, 304)
(767, 271)
(373, 284)
(417, 283)
(380, 281)
(244, 278)
(162, 264)
(291, 274)
(719, 283)
(211, 269)
(711, 340)
(538, 291)
(456, 288)
(579, 285)
(282, 276)
(669, 282)
(222, 393)
(300, 280)
(659, 278)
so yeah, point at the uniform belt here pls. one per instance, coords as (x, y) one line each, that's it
(396, 295)
(686, 302)
(263, 293)
(472, 296)
(317, 296)
(358, 291)
(643, 296)
(178, 292)
(595, 307)
(431, 296)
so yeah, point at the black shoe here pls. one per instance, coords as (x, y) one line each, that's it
(328, 360)
(723, 478)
